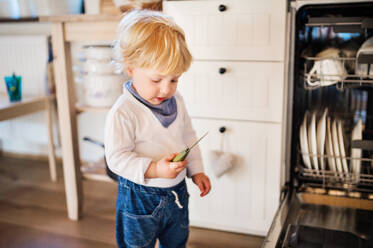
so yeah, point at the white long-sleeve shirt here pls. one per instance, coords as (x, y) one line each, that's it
(134, 138)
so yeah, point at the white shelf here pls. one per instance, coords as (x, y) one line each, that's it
(85, 108)
(28, 105)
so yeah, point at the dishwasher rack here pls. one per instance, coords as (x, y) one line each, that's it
(342, 180)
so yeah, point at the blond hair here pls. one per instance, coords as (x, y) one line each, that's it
(151, 40)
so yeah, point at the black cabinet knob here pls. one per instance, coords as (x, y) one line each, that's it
(222, 8)
(222, 129)
(222, 70)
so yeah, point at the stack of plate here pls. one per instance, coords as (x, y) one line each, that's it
(322, 143)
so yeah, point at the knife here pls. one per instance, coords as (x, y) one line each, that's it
(183, 154)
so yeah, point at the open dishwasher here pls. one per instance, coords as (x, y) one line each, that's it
(327, 200)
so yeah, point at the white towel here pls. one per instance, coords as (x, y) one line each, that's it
(220, 162)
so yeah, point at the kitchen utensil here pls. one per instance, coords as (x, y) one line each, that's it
(304, 142)
(312, 144)
(321, 133)
(183, 154)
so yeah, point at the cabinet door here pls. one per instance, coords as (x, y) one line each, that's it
(246, 197)
(245, 91)
(245, 30)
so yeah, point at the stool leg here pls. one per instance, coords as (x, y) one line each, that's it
(51, 151)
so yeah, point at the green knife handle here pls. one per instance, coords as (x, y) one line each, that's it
(181, 156)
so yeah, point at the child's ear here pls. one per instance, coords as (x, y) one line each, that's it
(129, 71)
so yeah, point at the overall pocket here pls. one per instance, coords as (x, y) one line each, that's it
(137, 216)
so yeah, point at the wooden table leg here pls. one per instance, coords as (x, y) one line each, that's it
(67, 120)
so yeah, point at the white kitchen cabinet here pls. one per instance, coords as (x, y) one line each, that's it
(245, 90)
(232, 29)
(246, 197)
(237, 81)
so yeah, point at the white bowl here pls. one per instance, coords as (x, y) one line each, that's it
(98, 52)
(102, 90)
(130, 4)
(98, 67)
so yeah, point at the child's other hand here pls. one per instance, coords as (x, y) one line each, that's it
(203, 183)
(168, 169)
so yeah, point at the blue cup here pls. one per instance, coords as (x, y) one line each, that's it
(14, 87)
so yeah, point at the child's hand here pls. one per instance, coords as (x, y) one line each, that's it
(165, 168)
(203, 183)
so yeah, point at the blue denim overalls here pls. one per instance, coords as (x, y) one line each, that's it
(145, 214)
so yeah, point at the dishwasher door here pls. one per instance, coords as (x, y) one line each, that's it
(301, 224)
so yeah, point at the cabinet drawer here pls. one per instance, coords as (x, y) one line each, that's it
(245, 198)
(245, 91)
(245, 30)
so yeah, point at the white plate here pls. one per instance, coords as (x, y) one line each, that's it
(321, 132)
(342, 150)
(357, 134)
(329, 145)
(312, 145)
(304, 142)
(335, 140)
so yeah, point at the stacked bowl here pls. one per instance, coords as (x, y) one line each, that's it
(101, 82)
